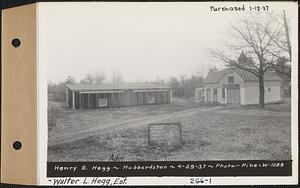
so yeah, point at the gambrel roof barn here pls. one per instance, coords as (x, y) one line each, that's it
(237, 86)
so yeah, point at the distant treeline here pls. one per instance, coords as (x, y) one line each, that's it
(57, 92)
(181, 87)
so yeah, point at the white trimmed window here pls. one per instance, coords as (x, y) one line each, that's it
(223, 93)
(230, 79)
(150, 98)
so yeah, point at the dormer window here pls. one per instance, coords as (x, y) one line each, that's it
(230, 79)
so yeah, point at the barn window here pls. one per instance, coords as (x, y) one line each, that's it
(230, 79)
(269, 89)
(223, 93)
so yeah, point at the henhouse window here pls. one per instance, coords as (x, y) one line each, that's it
(230, 79)
(150, 99)
(223, 93)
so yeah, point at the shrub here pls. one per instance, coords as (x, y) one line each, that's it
(54, 113)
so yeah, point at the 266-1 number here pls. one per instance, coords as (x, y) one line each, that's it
(199, 180)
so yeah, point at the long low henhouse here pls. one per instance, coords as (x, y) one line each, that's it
(87, 96)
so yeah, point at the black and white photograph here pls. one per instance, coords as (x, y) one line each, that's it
(110, 77)
(167, 81)
(149, 93)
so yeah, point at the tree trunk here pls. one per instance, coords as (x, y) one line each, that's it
(288, 42)
(261, 90)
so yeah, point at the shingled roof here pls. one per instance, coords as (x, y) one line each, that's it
(215, 77)
(99, 87)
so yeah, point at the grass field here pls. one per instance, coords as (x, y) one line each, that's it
(210, 132)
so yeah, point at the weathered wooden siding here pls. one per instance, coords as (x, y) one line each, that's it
(77, 101)
(127, 98)
(70, 98)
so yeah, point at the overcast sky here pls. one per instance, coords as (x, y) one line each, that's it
(141, 41)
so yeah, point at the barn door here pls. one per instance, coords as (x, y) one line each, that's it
(208, 95)
(215, 95)
(233, 96)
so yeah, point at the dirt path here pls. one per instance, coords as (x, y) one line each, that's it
(72, 134)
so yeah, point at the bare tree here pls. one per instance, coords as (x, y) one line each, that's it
(287, 35)
(99, 77)
(159, 80)
(116, 78)
(254, 34)
(283, 41)
(70, 80)
(175, 86)
(173, 82)
(88, 79)
(213, 69)
(282, 67)
(199, 71)
(57, 91)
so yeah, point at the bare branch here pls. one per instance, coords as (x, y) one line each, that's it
(232, 62)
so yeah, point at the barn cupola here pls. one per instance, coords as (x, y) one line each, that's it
(245, 60)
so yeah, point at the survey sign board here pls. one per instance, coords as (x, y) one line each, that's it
(165, 134)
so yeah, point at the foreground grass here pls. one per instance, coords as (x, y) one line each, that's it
(224, 134)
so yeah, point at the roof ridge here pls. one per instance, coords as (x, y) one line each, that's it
(216, 76)
(121, 86)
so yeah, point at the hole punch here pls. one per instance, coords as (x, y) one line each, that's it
(17, 145)
(16, 42)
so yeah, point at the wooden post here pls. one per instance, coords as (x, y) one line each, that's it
(79, 100)
(226, 96)
(97, 105)
(88, 101)
(67, 97)
(170, 96)
(108, 100)
(73, 93)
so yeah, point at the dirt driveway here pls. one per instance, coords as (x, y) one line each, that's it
(209, 133)
(76, 125)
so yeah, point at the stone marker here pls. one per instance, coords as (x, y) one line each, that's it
(165, 134)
